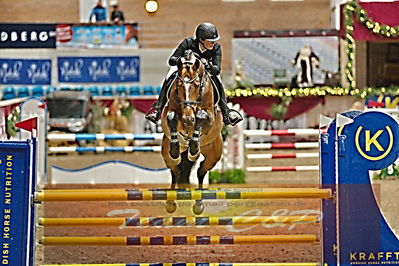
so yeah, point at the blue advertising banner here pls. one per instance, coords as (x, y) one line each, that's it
(27, 35)
(17, 217)
(25, 71)
(99, 69)
(104, 36)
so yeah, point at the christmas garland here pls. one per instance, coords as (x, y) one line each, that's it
(316, 91)
(353, 8)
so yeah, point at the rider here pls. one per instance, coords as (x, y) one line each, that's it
(205, 45)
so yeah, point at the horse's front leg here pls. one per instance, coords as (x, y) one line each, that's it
(174, 148)
(200, 117)
(171, 205)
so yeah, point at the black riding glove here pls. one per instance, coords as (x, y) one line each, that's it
(206, 64)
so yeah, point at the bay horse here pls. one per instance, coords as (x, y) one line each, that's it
(192, 126)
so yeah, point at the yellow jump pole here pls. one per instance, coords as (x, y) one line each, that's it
(178, 221)
(194, 264)
(270, 193)
(177, 240)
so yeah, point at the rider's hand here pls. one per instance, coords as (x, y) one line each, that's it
(205, 62)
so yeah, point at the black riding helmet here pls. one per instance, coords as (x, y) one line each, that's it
(207, 31)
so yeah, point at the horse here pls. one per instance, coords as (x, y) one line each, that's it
(192, 126)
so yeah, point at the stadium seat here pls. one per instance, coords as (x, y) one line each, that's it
(38, 91)
(23, 92)
(159, 89)
(107, 91)
(148, 90)
(78, 88)
(134, 91)
(121, 90)
(8, 93)
(50, 89)
(93, 90)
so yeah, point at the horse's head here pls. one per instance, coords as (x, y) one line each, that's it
(189, 84)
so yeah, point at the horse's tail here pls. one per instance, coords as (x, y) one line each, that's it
(185, 169)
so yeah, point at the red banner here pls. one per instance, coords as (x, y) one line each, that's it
(259, 106)
(385, 13)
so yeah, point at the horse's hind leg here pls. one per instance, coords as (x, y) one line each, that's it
(174, 148)
(193, 153)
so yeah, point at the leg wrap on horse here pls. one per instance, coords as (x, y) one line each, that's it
(174, 149)
(200, 118)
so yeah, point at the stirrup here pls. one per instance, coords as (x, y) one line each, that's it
(234, 121)
(153, 114)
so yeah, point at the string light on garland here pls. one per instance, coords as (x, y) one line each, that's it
(352, 8)
(287, 92)
(316, 91)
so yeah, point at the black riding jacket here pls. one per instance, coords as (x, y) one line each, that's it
(213, 56)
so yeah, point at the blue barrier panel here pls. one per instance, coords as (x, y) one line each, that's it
(17, 180)
(371, 142)
(327, 173)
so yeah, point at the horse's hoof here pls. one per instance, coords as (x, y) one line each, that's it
(193, 151)
(170, 206)
(198, 208)
(194, 157)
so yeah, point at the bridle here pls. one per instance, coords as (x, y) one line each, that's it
(189, 82)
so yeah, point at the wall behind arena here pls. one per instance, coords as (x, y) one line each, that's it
(150, 73)
(228, 16)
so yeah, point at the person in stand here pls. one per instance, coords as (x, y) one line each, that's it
(305, 59)
(204, 43)
(117, 14)
(99, 13)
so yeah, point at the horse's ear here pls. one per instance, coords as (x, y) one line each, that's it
(197, 63)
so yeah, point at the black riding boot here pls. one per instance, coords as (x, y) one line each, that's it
(155, 111)
(230, 116)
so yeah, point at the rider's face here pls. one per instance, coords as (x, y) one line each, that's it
(208, 44)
